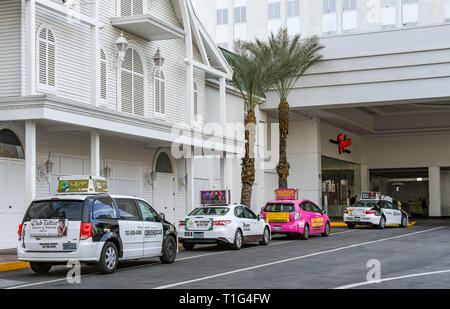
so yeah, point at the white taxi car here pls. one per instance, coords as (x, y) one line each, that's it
(374, 210)
(230, 225)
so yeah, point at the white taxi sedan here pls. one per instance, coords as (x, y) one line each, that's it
(230, 225)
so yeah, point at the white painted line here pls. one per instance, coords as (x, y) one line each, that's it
(352, 231)
(354, 285)
(293, 259)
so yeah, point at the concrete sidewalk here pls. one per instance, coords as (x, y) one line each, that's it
(8, 260)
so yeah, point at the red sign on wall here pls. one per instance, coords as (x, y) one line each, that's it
(343, 142)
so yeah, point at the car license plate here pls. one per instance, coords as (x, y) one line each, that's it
(199, 235)
(357, 218)
(69, 246)
(277, 228)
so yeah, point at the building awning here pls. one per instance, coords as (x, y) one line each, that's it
(148, 27)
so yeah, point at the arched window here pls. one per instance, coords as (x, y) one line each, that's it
(196, 116)
(46, 60)
(163, 164)
(10, 145)
(131, 7)
(103, 77)
(159, 92)
(132, 83)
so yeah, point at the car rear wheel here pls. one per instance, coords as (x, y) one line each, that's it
(237, 244)
(327, 230)
(188, 246)
(40, 268)
(169, 251)
(266, 237)
(305, 234)
(109, 259)
(404, 221)
(382, 223)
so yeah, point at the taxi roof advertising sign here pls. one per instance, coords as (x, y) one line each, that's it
(82, 185)
(370, 196)
(215, 197)
(286, 194)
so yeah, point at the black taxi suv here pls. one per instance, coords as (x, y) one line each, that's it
(91, 226)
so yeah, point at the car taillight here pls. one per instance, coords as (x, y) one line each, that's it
(20, 231)
(85, 231)
(346, 212)
(222, 222)
(297, 215)
(182, 223)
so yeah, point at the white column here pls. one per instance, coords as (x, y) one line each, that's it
(190, 94)
(30, 43)
(223, 122)
(30, 161)
(434, 173)
(95, 153)
(95, 56)
(190, 198)
(365, 178)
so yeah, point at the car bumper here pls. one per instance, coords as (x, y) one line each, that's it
(363, 220)
(87, 251)
(291, 227)
(208, 237)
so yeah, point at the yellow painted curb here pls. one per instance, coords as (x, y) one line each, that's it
(13, 266)
(342, 224)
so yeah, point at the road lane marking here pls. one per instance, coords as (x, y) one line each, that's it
(354, 285)
(294, 259)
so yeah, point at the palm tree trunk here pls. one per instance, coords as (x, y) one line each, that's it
(248, 162)
(283, 166)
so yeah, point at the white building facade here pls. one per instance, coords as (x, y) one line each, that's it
(383, 84)
(96, 88)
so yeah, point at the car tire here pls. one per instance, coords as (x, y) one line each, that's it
(382, 223)
(305, 234)
(108, 259)
(169, 251)
(327, 230)
(266, 237)
(351, 225)
(238, 239)
(188, 246)
(40, 268)
(404, 223)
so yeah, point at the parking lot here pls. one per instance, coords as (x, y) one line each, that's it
(415, 257)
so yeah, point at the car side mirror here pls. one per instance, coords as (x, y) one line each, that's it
(162, 217)
(259, 217)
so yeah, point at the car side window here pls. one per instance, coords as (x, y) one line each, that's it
(315, 208)
(148, 213)
(307, 207)
(128, 210)
(239, 212)
(249, 214)
(103, 209)
(303, 206)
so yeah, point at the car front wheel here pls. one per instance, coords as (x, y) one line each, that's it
(237, 244)
(305, 234)
(327, 230)
(266, 237)
(40, 268)
(382, 223)
(404, 221)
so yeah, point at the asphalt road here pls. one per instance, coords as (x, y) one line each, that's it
(411, 258)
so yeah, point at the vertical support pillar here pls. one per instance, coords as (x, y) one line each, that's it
(223, 123)
(95, 152)
(30, 43)
(95, 56)
(30, 161)
(365, 183)
(434, 174)
(190, 197)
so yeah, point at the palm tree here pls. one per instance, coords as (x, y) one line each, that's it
(254, 72)
(298, 55)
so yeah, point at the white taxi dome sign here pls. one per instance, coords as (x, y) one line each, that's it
(82, 185)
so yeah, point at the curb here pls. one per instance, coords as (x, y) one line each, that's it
(13, 266)
(342, 224)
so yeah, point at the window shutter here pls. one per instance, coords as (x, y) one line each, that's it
(125, 7)
(138, 7)
(163, 93)
(102, 74)
(195, 102)
(42, 61)
(133, 87)
(46, 58)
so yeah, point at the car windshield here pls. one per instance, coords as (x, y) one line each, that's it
(280, 207)
(210, 211)
(55, 209)
(365, 204)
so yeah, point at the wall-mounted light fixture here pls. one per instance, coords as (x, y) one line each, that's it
(182, 181)
(45, 169)
(158, 59)
(106, 171)
(121, 46)
(149, 178)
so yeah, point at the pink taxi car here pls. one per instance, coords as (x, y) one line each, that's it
(296, 217)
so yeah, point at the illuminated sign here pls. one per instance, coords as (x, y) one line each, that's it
(82, 185)
(370, 196)
(286, 194)
(343, 142)
(215, 197)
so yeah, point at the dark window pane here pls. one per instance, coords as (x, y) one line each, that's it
(127, 210)
(54, 209)
(103, 209)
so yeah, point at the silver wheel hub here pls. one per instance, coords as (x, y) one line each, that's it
(238, 239)
(110, 258)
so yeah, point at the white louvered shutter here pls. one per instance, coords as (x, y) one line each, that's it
(132, 7)
(46, 59)
(138, 85)
(133, 86)
(102, 75)
(138, 7)
(195, 102)
(159, 82)
(125, 7)
(127, 83)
